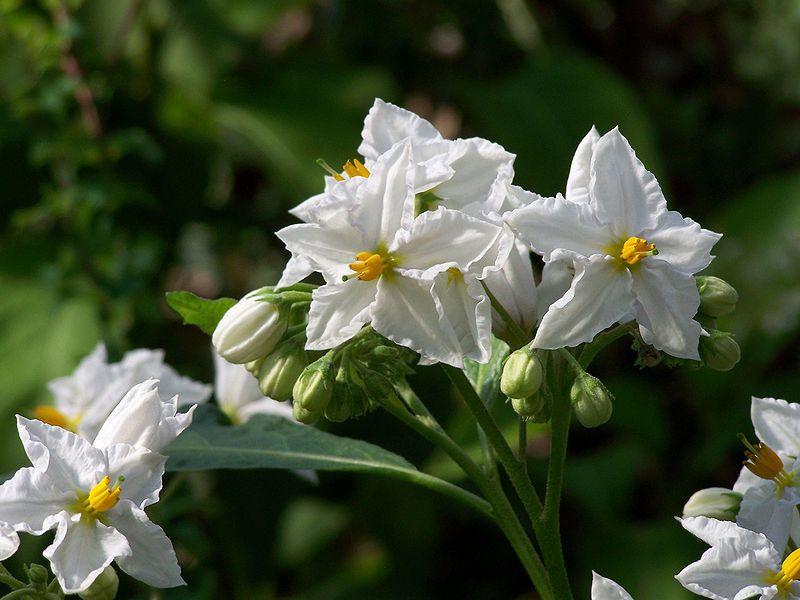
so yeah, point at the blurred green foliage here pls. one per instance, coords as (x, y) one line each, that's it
(154, 145)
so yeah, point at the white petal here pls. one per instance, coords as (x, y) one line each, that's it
(557, 278)
(266, 406)
(234, 385)
(777, 424)
(477, 164)
(81, 550)
(385, 201)
(329, 250)
(338, 311)
(623, 193)
(152, 558)
(711, 531)
(9, 541)
(599, 296)
(578, 179)
(188, 391)
(405, 312)
(77, 391)
(464, 305)
(667, 303)
(387, 124)
(514, 288)
(296, 269)
(682, 243)
(606, 589)
(70, 462)
(729, 572)
(141, 469)
(446, 238)
(549, 224)
(761, 511)
(514, 197)
(29, 498)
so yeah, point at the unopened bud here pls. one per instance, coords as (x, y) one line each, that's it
(717, 296)
(249, 330)
(280, 370)
(104, 587)
(591, 401)
(719, 351)
(522, 374)
(528, 407)
(37, 574)
(254, 365)
(716, 503)
(313, 390)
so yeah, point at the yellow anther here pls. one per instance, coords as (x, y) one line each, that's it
(368, 266)
(355, 168)
(789, 573)
(635, 249)
(454, 275)
(763, 462)
(101, 497)
(52, 416)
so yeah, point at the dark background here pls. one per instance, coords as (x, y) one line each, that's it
(152, 145)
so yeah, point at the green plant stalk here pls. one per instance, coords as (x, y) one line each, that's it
(8, 579)
(601, 341)
(501, 510)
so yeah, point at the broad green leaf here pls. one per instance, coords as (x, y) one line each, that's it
(202, 312)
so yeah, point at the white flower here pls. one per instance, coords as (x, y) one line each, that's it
(606, 589)
(94, 498)
(238, 395)
(777, 424)
(249, 330)
(632, 257)
(740, 564)
(380, 265)
(9, 541)
(84, 399)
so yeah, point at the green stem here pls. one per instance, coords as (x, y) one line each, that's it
(601, 341)
(7, 578)
(520, 338)
(522, 442)
(501, 509)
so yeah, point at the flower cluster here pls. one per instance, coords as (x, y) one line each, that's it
(752, 556)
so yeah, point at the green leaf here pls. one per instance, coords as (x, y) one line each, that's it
(199, 311)
(306, 527)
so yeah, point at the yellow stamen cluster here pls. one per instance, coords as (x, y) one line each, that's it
(763, 462)
(635, 249)
(789, 573)
(354, 168)
(454, 275)
(52, 416)
(368, 266)
(102, 498)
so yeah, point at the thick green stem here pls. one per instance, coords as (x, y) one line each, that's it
(601, 341)
(8, 579)
(502, 511)
(522, 441)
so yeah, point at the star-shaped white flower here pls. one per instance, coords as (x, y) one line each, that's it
(94, 498)
(632, 257)
(381, 264)
(84, 399)
(740, 564)
(606, 589)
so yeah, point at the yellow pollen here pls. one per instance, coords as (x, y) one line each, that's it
(52, 416)
(354, 168)
(102, 497)
(789, 573)
(635, 249)
(454, 275)
(368, 266)
(763, 462)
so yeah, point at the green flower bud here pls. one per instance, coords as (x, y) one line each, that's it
(254, 365)
(280, 370)
(313, 390)
(250, 329)
(719, 351)
(104, 587)
(716, 503)
(529, 408)
(591, 401)
(522, 374)
(37, 574)
(717, 296)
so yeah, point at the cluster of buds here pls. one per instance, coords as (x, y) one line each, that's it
(522, 381)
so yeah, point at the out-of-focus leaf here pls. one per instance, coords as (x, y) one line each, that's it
(543, 111)
(202, 312)
(485, 378)
(305, 527)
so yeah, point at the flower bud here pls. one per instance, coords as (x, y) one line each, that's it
(719, 351)
(716, 503)
(104, 587)
(313, 390)
(254, 365)
(37, 574)
(280, 370)
(530, 407)
(717, 296)
(591, 401)
(249, 330)
(522, 374)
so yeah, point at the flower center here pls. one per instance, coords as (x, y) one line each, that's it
(368, 266)
(52, 416)
(789, 573)
(763, 462)
(635, 249)
(352, 168)
(101, 497)
(454, 275)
